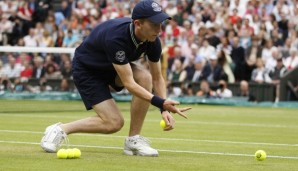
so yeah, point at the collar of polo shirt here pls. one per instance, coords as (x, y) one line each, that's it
(134, 39)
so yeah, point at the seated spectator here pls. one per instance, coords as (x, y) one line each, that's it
(206, 50)
(49, 60)
(260, 74)
(27, 70)
(70, 39)
(38, 68)
(52, 73)
(244, 92)
(223, 90)
(291, 61)
(199, 65)
(225, 61)
(30, 39)
(205, 90)
(212, 71)
(66, 70)
(275, 74)
(175, 78)
(12, 70)
(177, 56)
(46, 40)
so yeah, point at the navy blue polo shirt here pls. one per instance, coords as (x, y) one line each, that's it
(114, 42)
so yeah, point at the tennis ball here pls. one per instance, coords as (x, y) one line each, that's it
(77, 153)
(162, 124)
(260, 155)
(70, 153)
(62, 154)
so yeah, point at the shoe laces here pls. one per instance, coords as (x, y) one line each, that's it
(61, 138)
(144, 141)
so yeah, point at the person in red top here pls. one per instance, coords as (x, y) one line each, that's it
(234, 18)
(27, 71)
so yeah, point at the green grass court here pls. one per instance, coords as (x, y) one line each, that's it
(214, 138)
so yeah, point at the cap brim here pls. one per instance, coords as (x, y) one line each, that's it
(159, 18)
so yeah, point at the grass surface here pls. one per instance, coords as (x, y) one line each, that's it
(213, 138)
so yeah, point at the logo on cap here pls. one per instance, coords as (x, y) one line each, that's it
(156, 7)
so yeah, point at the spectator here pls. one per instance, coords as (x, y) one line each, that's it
(244, 92)
(25, 14)
(234, 18)
(285, 49)
(223, 90)
(46, 40)
(176, 78)
(224, 45)
(31, 39)
(238, 57)
(49, 60)
(260, 74)
(17, 31)
(212, 38)
(205, 90)
(225, 62)
(291, 61)
(66, 70)
(38, 68)
(198, 69)
(70, 39)
(52, 73)
(65, 8)
(253, 52)
(275, 74)
(27, 70)
(267, 50)
(6, 27)
(206, 50)
(177, 55)
(12, 70)
(212, 71)
(59, 39)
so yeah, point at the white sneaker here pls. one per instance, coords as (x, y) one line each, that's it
(139, 146)
(53, 137)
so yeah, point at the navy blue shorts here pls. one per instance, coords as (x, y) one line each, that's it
(93, 86)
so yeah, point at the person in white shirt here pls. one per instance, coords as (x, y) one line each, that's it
(223, 90)
(291, 61)
(31, 40)
(12, 70)
(206, 50)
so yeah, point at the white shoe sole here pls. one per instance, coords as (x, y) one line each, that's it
(135, 153)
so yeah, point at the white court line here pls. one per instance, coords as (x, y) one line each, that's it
(171, 151)
(157, 121)
(167, 139)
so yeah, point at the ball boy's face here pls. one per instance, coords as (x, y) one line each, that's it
(146, 30)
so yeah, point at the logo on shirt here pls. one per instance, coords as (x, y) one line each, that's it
(156, 7)
(120, 56)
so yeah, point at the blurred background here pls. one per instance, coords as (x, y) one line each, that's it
(212, 49)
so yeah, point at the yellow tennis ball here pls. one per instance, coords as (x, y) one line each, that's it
(162, 124)
(62, 154)
(260, 155)
(77, 153)
(70, 153)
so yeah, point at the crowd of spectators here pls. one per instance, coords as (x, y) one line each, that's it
(214, 42)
